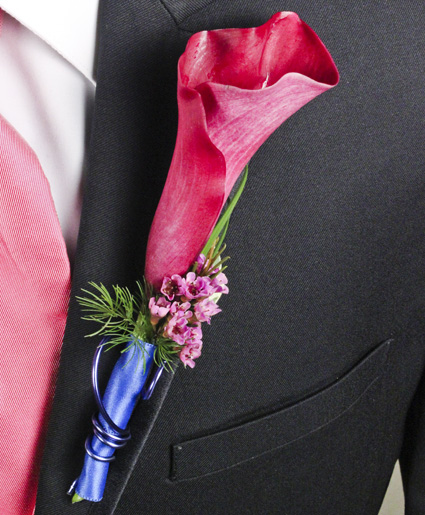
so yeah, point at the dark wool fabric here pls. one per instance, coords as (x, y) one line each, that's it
(310, 385)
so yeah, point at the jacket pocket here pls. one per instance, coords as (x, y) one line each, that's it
(224, 449)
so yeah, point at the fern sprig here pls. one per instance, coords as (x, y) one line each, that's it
(165, 352)
(125, 319)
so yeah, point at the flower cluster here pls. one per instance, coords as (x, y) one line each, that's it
(185, 303)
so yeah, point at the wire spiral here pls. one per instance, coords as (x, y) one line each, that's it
(121, 436)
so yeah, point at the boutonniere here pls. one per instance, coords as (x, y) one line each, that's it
(235, 87)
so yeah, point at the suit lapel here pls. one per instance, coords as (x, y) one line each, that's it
(132, 139)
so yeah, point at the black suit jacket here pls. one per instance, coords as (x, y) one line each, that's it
(310, 384)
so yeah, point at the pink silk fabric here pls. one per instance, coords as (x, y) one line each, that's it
(34, 294)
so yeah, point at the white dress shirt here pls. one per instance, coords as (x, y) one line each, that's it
(47, 87)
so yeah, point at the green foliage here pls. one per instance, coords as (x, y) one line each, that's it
(223, 223)
(166, 353)
(124, 318)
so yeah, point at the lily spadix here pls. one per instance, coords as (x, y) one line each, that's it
(235, 87)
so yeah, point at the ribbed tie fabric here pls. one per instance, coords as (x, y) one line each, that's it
(34, 293)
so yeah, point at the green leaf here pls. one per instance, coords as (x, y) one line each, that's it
(118, 314)
(221, 224)
(222, 236)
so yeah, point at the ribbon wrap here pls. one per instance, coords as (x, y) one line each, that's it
(120, 398)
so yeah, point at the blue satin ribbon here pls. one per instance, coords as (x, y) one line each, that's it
(121, 395)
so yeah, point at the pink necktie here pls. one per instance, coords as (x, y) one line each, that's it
(34, 293)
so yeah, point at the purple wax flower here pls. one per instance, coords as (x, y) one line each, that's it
(159, 308)
(172, 286)
(200, 261)
(194, 334)
(196, 286)
(205, 309)
(179, 307)
(218, 284)
(177, 329)
(190, 352)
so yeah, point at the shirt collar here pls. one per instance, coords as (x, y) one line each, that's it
(68, 26)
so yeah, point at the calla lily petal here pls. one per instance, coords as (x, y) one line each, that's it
(235, 87)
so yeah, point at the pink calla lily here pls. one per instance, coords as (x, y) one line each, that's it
(235, 87)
